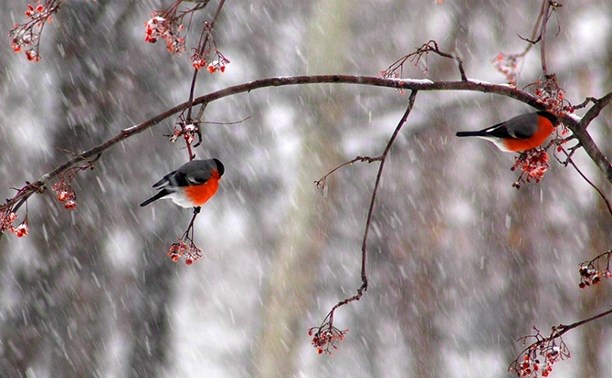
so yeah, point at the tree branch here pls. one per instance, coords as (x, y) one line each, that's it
(420, 85)
(594, 111)
(546, 13)
(545, 351)
(326, 334)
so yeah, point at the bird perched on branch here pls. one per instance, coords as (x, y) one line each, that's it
(191, 185)
(518, 134)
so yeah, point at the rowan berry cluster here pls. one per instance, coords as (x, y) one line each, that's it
(552, 96)
(181, 249)
(218, 63)
(325, 337)
(167, 28)
(188, 131)
(63, 188)
(538, 359)
(531, 367)
(65, 193)
(591, 272)
(206, 54)
(26, 37)
(533, 165)
(7, 218)
(168, 25)
(507, 65)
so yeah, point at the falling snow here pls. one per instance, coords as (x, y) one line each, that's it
(460, 263)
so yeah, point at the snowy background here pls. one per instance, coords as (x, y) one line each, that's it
(460, 263)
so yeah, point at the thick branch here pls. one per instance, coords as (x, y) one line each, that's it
(421, 85)
(589, 145)
(594, 111)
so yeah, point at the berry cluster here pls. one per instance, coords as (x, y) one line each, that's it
(189, 252)
(198, 61)
(507, 65)
(26, 37)
(65, 193)
(533, 164)
(325, 337)
(168, 25)
(553, 97)
(591, 272)
(218, 63)
(168, 29)
(188, 131)
(7, 218)
(207, 44)
(63, 188)
(531, 367)
(537, 360)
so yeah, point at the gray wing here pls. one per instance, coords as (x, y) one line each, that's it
(522, 126)
(194, 172)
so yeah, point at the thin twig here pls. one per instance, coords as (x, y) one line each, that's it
(430, 47)
(569, 160)
(534, 38)
(320, 183)
(543, 37)
(364, 245)
(377, 183)
(227, 123)
(195, 71)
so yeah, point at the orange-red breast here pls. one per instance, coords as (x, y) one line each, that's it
(520, 133)
(191, 185)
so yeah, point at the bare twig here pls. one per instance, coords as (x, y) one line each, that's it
(415, 56)
(568, 160)
(508, 64)
(211, 25)
(328, 323)
(549, 6)
(320, 183)
(543, 37)
(195, 75)
(376, 184)
(535, 38)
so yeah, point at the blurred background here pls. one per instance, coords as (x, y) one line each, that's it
(460, 263)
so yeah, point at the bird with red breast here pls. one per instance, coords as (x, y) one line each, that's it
(191, 185)
(519, 134)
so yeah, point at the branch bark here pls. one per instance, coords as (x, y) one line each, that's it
(407, 84)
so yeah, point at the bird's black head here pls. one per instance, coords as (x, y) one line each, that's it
(220, 167)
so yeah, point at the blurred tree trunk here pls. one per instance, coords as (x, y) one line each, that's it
(422, 301)
(294, 273)
(71, 300)
(594, 299)
(521, 261)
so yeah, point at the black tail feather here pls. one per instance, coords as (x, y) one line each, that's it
(470, 133)
(162, 193)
